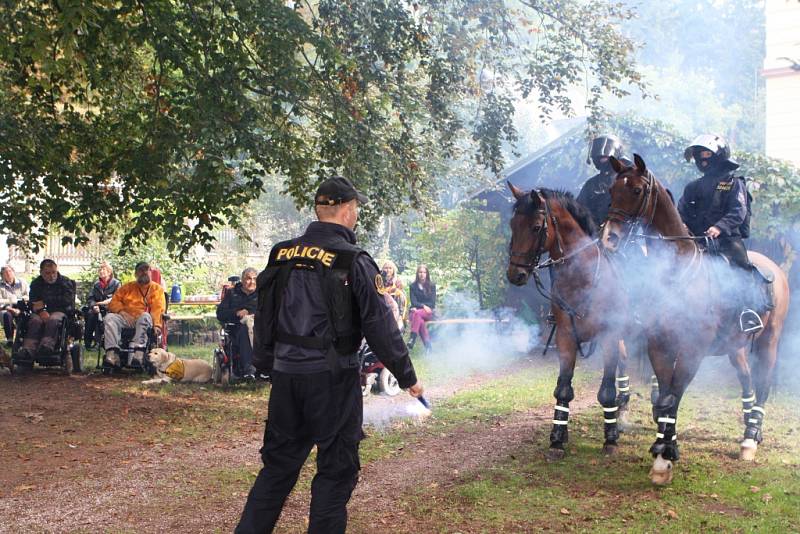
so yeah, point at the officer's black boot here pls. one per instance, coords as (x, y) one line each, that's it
(764, 290)
(412, 340)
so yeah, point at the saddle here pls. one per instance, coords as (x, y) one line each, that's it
(751, 300)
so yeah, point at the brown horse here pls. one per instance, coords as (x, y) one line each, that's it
(692, 313)
(584, 294)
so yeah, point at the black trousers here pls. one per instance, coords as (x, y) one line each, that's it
(8, 325)
(733, 248)
(91, 332)
(242, 347)
(308, 410)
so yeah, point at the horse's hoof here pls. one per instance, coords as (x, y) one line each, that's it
(554, 455)
(661, 478)
(661, 472)
(610, 449)
(748, 450)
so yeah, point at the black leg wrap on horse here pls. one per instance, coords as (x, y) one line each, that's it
(623, 391)
(665, 411)
(563, 394)
(748, 400)
(607, 396)
(753, 424)
(560, 435)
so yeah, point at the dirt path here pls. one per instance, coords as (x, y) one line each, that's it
(435, 460)
(85, 454)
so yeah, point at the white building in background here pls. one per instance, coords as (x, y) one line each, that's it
(782, 76)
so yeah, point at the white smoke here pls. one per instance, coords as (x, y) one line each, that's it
(476, 340)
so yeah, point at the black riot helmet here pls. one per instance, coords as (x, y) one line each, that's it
(603, 147)
(711, 154)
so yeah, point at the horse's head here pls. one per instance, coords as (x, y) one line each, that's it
(633, 200)
(529, 236)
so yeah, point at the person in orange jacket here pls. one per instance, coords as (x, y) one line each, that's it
(139, 304)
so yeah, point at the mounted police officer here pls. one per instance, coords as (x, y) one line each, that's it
(595, 195)
(717, 205)
(318, 297)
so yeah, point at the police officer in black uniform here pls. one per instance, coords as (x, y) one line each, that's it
(716, 205)
(318, 297)
(595, 195)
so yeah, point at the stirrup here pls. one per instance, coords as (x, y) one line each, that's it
(750, 322)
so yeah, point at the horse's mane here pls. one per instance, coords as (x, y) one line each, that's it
(525, 206)
(577, 210)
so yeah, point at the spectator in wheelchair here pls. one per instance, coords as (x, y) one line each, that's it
(237, 308)
(393, 286)
(12, 290)
(423, 306)
(100, 296)
(52, 297)
(139, 304)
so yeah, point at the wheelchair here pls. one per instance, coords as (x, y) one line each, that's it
(374, 376)
(68, 352)
(226, 363)
(155, 339)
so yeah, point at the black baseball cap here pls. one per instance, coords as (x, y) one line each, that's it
(336, 190)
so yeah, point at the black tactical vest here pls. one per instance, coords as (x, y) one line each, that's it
(333, 268)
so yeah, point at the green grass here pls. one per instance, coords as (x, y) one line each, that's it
(712, 490)
(203, 352)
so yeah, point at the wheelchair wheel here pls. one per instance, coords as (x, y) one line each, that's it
(76, 353)
(389, 383)
(19, 368)
(216, 368)
(66, 362)
(225, 379)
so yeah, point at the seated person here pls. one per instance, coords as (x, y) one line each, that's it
(52, 297)
(423, 304)
(393, 286)
(12, 290)
(101, 294)
(139, 304)
(239, 302)
(398, 317)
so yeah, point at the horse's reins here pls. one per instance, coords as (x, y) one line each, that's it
(625, 217)
(622, 216)
(534, 266)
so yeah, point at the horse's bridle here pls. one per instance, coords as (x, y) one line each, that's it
(629, 219)
(532, 266)
(535, 254)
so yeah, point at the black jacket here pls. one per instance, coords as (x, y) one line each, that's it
(595, 196)
(58, 296)
(699, 211)
(304, 313)
(99, 294)
(236, 299)
(420, 299)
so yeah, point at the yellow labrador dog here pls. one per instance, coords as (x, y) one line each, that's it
(170, 368)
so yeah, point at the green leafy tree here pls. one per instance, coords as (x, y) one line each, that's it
(170, 114)
(703, 59)
(465, 250)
